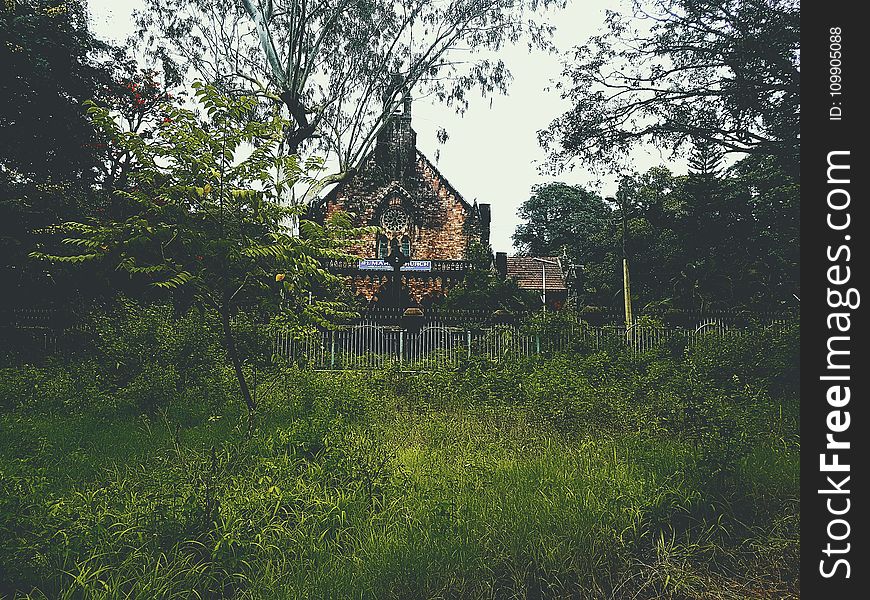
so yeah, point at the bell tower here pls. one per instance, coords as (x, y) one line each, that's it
(397, 142)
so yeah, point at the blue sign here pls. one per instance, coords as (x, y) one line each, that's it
(417, 265)
(374, 265)
(382, 265)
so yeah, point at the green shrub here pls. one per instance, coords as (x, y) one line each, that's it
(768, 357)
(154, 356)
(54, 386)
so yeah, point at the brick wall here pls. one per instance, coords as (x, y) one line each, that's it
(443, 223)
(421, 288)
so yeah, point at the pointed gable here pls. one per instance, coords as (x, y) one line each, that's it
(400, 190)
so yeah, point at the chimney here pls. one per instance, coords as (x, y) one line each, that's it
(396, 147)
(485, 219)
(501, 263)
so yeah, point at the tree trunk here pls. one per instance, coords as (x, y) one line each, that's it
(237, 363)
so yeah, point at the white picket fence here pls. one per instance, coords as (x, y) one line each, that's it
(369, 345)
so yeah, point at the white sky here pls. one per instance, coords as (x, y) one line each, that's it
(492, 152)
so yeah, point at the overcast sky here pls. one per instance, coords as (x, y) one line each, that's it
(492, 153)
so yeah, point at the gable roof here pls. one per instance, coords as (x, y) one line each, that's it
(421, 158)
(529, 271)
(445, 181)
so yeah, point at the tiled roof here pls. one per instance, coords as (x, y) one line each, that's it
(529, 271)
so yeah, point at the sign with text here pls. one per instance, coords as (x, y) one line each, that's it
(382, 265)
(417, 265)
(375, 265)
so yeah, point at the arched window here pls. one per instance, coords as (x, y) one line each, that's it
(383, 247)
(396, 224)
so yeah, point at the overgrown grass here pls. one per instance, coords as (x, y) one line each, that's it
(582, 476)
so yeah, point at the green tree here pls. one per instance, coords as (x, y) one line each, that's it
(205, 214)
(673, 72)
(341, 68)
(137, 102)
(773, 200)
(562, 219)
(51, 65)
(705, 160)
(50, 154)
(713, 239)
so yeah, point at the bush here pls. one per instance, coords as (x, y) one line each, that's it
(53, 387)
(767, 357)
(153, 356)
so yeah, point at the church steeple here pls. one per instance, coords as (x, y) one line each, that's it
(397, 142)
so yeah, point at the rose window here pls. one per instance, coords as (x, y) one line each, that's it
(395, 220)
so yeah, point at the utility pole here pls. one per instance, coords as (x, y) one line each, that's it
(544, 264)
(626, 282)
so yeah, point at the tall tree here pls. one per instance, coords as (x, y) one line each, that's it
(341, 67)
(773, 198)
(50, 153)
(203, 213)
(714, 240)
(706, 240)
(51, 66)
(561, 217)
(705, 159)
(674, 72)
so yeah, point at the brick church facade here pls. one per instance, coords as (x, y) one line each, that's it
(416, 209)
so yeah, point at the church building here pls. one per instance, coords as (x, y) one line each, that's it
(418, 212)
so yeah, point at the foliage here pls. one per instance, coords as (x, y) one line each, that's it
(50, 153)
(52, 387)
(341, 68)
(137, 106)
(153, 357)
(52, 66)
(483, 290)
(204, 214)
(682, 71)
(685, 236)
(200, 212)
(705, 159)
(55, 165)
(584, 475)
(563, 217)
(141, 357)
(570, 221)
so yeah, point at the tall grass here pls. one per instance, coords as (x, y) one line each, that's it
(583, 476)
